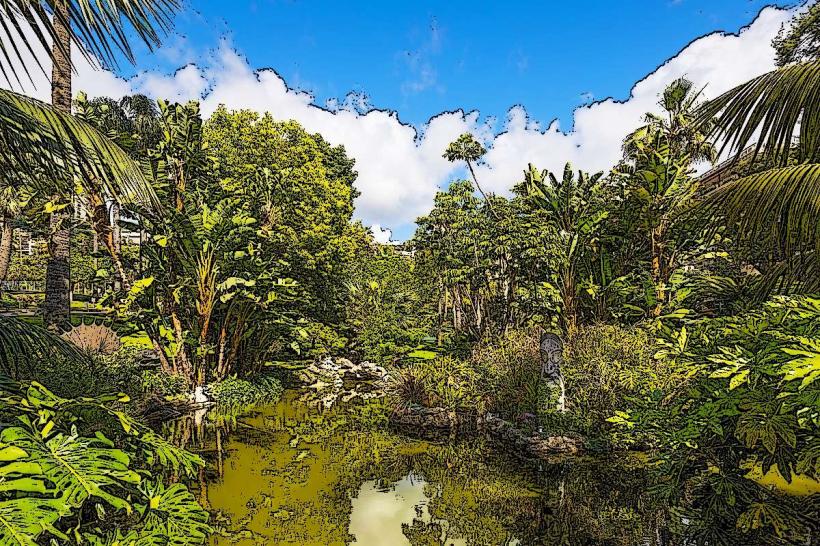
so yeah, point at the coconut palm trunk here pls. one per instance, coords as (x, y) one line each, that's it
(57, 305)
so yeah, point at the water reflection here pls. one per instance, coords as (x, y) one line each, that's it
(289, 474)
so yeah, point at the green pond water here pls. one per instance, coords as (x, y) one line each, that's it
(289, 473)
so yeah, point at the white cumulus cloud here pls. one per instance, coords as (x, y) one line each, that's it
(400, 166)
(716, 62)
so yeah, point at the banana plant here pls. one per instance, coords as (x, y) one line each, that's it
(568, 205)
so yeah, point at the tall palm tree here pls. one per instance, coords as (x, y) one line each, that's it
(777, 209)
(466, 148)
(57, 304)
(99, 29)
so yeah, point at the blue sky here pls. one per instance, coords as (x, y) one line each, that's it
(421, 58)
(502, 71)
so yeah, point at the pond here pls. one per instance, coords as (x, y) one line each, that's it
(291, 474)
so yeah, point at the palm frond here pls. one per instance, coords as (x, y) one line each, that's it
(100, 29)
(781, 105)
(21, 343)
(50, 150)
(798, 273)
(777, 207)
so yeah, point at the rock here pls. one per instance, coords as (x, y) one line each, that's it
(199, 396)
(436, 418)
(344, 363)
(329, 380)
(537, 445)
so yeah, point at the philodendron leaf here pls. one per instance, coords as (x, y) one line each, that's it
(78, 467)
(174, 512)
(24, 517)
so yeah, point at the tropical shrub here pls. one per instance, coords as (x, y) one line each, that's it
(91, 375)
(389, 312)
(511, 367)
(81, 470)
(608, 368)
(750, 402)
(247, 246)
(236, 394)
(445, 382)
(320, 340)
(165, 385)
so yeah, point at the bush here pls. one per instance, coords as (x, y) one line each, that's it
(163, 384)
(82, 467)
(236, 394)
(512, 368)
(92, 376)
(607, 368)
(324, 340)
(445, 382)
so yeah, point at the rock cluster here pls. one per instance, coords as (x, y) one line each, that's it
(329, 381)
(530, 445)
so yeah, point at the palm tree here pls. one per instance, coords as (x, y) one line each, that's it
(98, 29)
(466, 148)
(57, 304)
(776, 209)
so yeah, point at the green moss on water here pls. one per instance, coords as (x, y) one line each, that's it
(291, 474)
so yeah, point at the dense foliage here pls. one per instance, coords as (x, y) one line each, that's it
(82, 470)
(688, 314)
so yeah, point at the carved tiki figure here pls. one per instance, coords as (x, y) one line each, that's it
(551, 349)
(552, 355)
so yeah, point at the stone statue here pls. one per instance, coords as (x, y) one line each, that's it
(552, 355)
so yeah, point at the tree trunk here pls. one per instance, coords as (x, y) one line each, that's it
(484, 195)
(57, 306)
(570, 311)
(6, 243)
(107, 233)
(115, 227)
